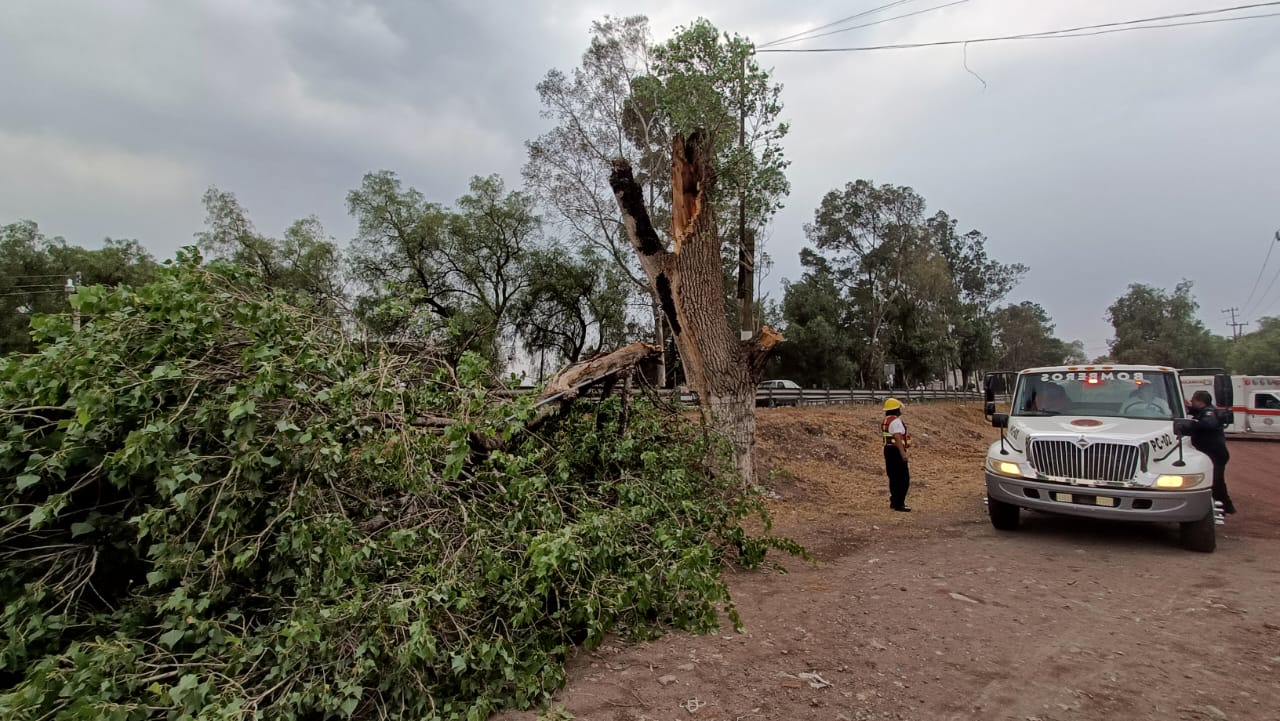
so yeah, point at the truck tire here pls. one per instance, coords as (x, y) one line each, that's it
(1200, 535)
(1004, 516)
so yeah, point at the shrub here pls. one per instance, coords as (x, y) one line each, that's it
(215, 505)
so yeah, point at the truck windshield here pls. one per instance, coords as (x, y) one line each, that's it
(1120, 394)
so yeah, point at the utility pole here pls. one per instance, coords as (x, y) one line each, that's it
(1235, 327)
(71, 287)
(746, 248)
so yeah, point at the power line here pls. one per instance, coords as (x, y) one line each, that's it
(1074, 32)
(1271, 245)
(867, 25)
(841, 21)
(1262, 299)
(28, 293)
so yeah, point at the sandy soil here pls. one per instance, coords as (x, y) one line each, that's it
(934, 615)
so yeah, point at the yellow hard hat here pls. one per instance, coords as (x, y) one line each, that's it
(892, 404)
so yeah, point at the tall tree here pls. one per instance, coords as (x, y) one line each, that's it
(428, 269)
(687, 278)
(572, 302)
(1258, 353)
(34, 269)
(1024, 339)
(980, 283)
(711, 81)
(1155, 326)
(608, 107)
(873, 237)
(304, 262)
(625, 100)
(816, 317)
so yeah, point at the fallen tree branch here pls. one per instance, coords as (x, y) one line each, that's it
(563, 388)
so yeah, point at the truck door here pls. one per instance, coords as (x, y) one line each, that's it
(1264, 412)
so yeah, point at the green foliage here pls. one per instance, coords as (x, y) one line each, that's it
(440, 273)
(1155, 326)
(34, 269)
(1258, 353)
(304, 264)
(628, 98)
(711, 81)
(571, 302)
(818, 351)
(1024, 339)
(213, 506)
(909, 289)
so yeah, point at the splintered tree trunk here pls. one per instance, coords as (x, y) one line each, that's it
(688, 280)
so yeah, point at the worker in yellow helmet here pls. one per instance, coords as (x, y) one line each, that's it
(896, 443)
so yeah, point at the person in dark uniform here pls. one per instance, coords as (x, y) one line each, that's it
(1209, 438)
(896, 443)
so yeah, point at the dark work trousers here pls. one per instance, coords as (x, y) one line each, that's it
(899, 476)
(1220, 459)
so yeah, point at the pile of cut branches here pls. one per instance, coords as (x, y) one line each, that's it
(214, 505)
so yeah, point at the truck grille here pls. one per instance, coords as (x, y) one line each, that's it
(1111, 462)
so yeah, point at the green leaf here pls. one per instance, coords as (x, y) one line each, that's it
(39, 515)
(172, 638)
(80, 529)
(241, 409)
(27, 480)
(185, 684)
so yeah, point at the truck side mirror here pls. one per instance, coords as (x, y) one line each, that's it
(1000, 420)
(1224, 395)
(1183, 426)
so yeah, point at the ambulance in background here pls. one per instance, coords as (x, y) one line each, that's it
(1256, 411)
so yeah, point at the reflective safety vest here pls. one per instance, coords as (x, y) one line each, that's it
(888, 437)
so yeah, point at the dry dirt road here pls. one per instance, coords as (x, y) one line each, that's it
(935, 615)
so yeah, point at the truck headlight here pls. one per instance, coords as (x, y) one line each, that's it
(1187, 480)
(1004, 468)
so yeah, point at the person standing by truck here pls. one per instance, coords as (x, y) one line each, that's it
(1208, 438)
(896, 442)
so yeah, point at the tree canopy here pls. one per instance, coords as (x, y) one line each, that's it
(887, 283)
(34, 270)
(1258, 353)
(1156, 326)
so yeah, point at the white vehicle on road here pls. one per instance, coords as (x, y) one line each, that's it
(1256, 411)
(1103, 442)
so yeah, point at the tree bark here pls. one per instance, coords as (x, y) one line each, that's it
(688, 281)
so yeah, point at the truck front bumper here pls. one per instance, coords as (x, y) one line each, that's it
(1098, 502)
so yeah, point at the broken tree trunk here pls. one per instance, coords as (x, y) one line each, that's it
(567, 385)
(571, 381)
(688, 280)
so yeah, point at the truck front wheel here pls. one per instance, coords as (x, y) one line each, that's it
(1200, 535)
(1004, 516)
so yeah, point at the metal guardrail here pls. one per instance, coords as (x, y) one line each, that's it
(815, 397)
(771, 397)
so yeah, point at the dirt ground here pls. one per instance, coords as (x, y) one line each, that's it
(934, 615)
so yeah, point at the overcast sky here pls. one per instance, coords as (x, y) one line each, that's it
(1133, 157)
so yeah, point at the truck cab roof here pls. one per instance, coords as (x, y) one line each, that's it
(1099, 368)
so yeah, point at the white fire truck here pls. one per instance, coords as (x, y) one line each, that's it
(1256, 406)
(1105, 441)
